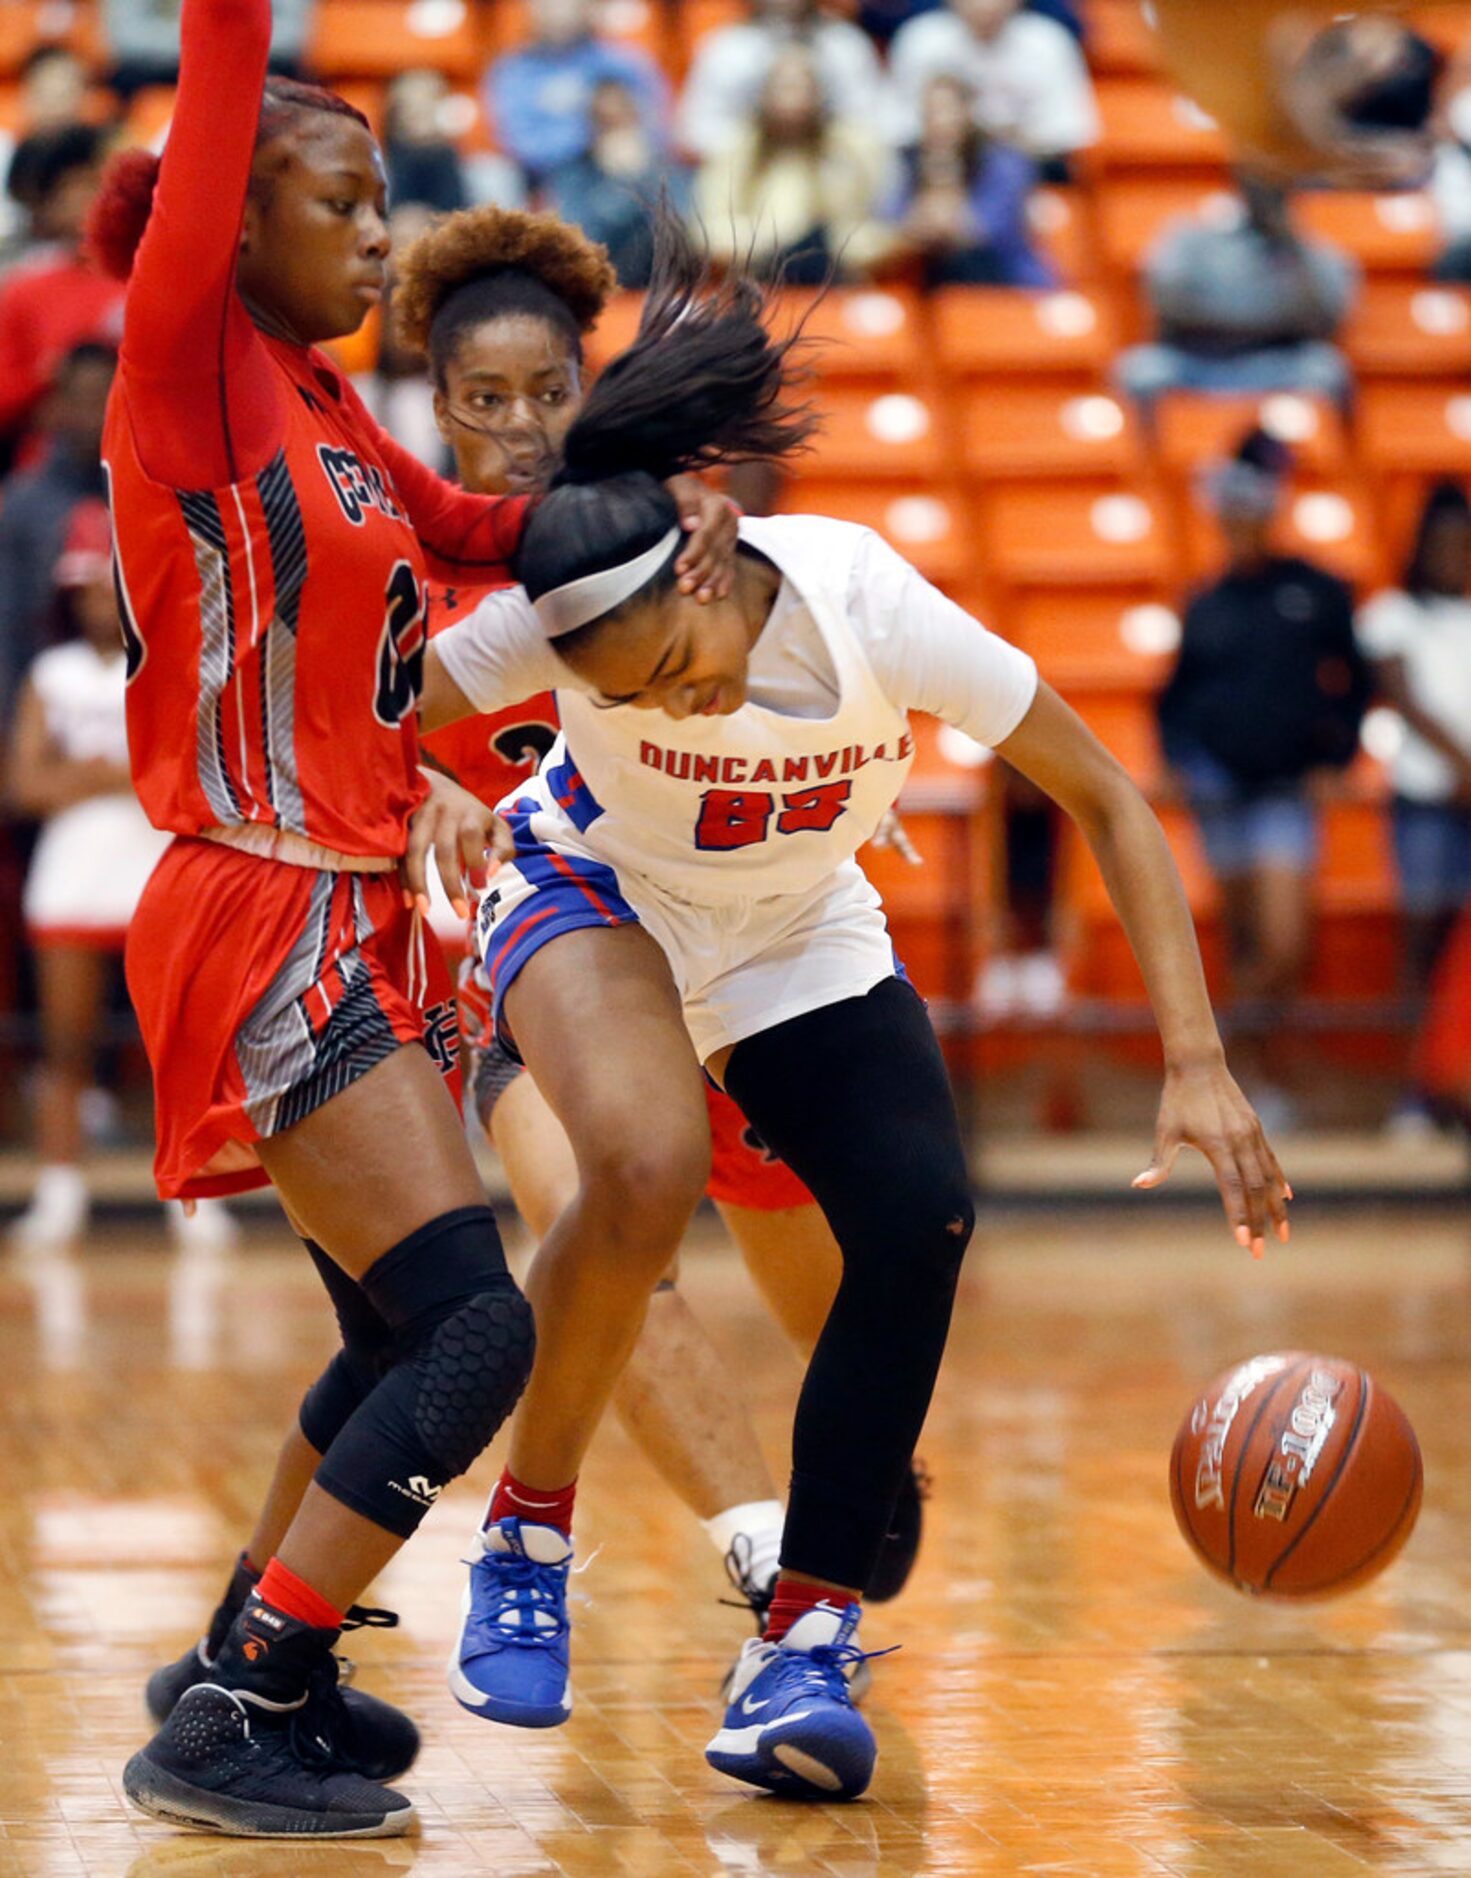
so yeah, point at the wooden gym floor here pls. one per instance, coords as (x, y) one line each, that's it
(1073, 1696)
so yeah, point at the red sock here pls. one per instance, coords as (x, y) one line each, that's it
(538, 1506)
(284, 1591)
(793, 1598)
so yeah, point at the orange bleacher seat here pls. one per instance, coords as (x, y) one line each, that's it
(1024, 430)
(1124, 723)
(27, 24)
(616, 329)
(933, 528)
(1134, 214)
(638, 23)
(1151, 126)
(1198, 428)
(1095, 640)
(695, 20)
(1001, 331)
(1387, 234)
(150, 113)
(880, 438)
(1418, 428)
(1410, 328)
(1061, 229)
(1063, 534)
(1332, 523)
(1448, 27)
(860, 332)
(1119, 38)
(380, 38)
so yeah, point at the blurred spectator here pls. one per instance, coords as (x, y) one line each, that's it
(55, 298)
(540, 96)
(1245, 306)
(37, 505)
(1418, 639)
(423, 164)
(961, 204)
(1026, 73)
(1269, 687)
(53, 86)
(795, 193)
(143, 40)
(731, 66)
(610, 191)
(1450, 183)
(881, 19)
(69, 766)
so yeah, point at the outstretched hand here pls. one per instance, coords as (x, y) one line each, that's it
(706, 565)
(462, 834)
(1201, 1107)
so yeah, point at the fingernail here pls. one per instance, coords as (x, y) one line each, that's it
(462, 907)
(408, 899)
(421, 901)
(1139, 1180)
(1284, 1232)
(1258, 1248)
(1286, 1188)
(1243, 1236)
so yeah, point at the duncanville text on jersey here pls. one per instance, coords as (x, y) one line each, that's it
(686, 766)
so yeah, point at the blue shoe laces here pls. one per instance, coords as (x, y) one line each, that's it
(524, 1588)
(824, 1669)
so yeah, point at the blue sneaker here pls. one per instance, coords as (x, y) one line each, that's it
(791, 1726)
(509, 1662)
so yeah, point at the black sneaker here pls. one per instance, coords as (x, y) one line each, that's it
(260, 1752)
(901, 1542)
(380, 1740)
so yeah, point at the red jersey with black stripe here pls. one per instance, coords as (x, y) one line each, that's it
(272, 542)
(495, 753)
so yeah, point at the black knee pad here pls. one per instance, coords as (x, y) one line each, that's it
(365, 1357)
(464, 1343)
(337, 1394)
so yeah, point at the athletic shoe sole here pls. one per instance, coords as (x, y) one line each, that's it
(154, 1790)
(829, 1759)
(495, 1708)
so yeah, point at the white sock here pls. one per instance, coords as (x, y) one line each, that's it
(760, 1522)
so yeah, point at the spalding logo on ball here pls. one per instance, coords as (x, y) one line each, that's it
(1296, 1476)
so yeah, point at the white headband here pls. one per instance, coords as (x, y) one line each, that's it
(564, 609)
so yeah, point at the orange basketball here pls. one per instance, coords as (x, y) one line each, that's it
(1296, 1476)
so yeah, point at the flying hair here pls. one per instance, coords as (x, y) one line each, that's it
(705, 382)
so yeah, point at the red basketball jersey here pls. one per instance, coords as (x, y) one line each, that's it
(491, 755)
(275, 630)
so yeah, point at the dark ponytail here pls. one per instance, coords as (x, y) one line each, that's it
(704, 383)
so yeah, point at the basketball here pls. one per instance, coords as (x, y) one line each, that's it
(1296, 1476)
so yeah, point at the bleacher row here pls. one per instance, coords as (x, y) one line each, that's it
(978, 431)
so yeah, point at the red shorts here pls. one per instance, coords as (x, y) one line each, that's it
(263, 990)
(743, 1172)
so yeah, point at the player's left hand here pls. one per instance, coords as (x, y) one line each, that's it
(463, 835)
(1201, 1107)
(706, 565)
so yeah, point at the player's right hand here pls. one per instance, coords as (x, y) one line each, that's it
(462, 834)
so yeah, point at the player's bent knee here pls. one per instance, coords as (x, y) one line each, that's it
(464, 1341)
(647, 1189)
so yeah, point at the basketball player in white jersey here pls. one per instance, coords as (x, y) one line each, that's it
(683, 897)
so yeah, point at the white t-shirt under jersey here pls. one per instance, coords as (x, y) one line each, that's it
(926, 653)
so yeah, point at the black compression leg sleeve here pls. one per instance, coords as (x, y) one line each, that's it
(365, 1357)
(855, 1099)
(463, 1343)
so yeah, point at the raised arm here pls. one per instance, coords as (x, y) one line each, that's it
(201, 390)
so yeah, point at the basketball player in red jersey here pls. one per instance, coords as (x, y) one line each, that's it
(271, 548)
(499, 301)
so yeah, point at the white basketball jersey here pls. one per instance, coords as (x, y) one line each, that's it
(752, 804)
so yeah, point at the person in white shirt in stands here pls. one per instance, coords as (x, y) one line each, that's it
(69, 765)
(682, 896)
(1418, 640)
(731, 65)
(1029, 79)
